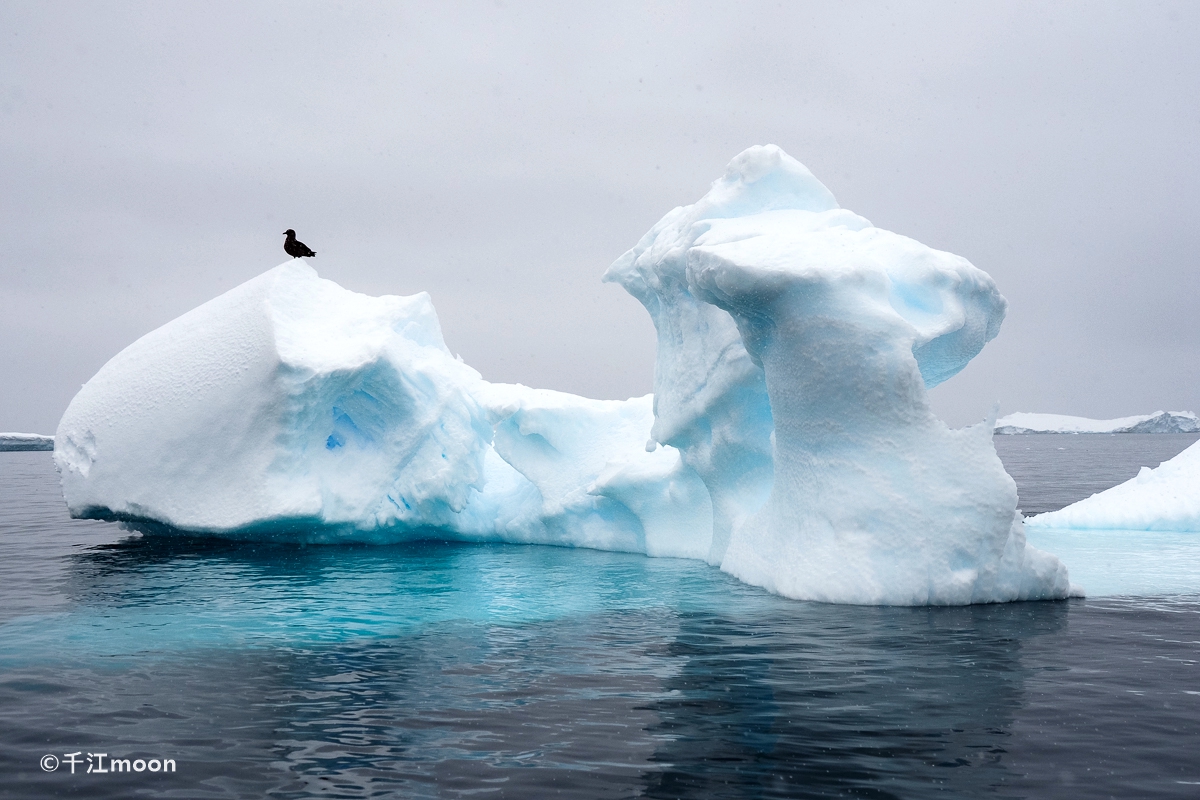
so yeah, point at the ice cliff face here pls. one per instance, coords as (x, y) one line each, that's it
(798, 450)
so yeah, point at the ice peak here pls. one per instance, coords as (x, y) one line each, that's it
(765, 178)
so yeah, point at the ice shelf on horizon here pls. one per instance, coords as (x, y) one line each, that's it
(16, 442)
(1158, 422)
(1166, 498)
(789, 440)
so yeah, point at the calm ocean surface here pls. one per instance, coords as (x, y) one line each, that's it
(440, 670)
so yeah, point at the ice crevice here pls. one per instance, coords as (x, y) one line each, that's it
(797, 449)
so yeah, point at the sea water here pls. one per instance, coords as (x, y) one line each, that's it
(444, 670)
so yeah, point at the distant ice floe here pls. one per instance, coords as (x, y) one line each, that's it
(789, 440)
(1158, 422)
(11, 442)
(1166, 498)
(1141, 537)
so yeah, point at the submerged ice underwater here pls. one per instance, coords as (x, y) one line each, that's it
(789, 439)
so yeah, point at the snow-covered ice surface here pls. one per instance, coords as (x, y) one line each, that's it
(284, 400)
(10, 442)
(1158, 422)
(789, 440)
(1166, 498)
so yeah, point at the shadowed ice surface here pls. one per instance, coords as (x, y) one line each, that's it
(441, 670)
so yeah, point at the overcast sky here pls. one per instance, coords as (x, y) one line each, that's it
(501, 155)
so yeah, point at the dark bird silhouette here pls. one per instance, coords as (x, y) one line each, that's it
(294, 248)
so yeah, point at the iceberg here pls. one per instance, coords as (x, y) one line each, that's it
(291, 408)
(1166, 498)
(789, 439)
(13, 442)
(287, 400)
(1158, 422)
(795, 333)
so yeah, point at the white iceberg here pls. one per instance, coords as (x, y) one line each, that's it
(285, 400)
(789, 439)
(794, 330)
(292, 408)
(1158, 422)
(1166, 498)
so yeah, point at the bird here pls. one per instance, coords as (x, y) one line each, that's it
(294, 248)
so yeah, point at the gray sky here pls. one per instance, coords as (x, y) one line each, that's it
(501, 155)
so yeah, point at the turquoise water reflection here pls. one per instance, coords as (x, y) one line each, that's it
(435, 669)
(164, 593)
(440, 670)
